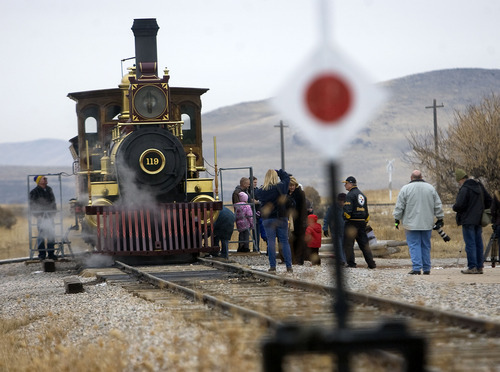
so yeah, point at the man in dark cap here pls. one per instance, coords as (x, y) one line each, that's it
(356, 217)
(43, 207)
(471, 201)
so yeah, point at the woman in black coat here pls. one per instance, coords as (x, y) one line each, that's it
(299, 218)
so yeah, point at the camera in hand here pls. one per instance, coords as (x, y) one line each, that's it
(441, 233)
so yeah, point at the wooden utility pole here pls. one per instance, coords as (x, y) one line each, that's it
(435, 107)
(281, 126)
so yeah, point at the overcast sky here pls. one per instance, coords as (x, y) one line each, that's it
(241, 50)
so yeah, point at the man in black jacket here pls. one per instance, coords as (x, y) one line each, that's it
(472, 199)
(43, 207)
(356, 217)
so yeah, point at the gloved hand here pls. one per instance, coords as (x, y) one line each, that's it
(326, 233)
(439, 223)
(396, 224)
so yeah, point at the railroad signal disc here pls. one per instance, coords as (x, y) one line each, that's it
(328, 99)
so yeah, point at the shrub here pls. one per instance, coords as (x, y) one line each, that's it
(313, 196)
(7, 218)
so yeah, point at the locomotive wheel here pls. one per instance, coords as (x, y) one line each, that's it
(205, 198)
(151, 158)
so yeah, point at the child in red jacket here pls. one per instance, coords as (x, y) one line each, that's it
(313, 238)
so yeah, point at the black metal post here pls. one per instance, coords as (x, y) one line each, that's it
(340, 305)
(290, 339)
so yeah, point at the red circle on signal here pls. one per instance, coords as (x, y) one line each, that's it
(328, 98)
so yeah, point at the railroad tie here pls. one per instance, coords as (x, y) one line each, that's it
(73, 285)
(49, 266)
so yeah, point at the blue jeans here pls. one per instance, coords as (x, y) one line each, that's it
(341, 245)
(419, 244)
(277, 228)
(45, 231)
(224, 244)
(473, 245)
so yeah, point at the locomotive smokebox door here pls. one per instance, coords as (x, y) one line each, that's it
(151, 158)
(152, 161)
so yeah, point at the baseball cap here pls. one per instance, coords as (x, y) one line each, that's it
(350, 179)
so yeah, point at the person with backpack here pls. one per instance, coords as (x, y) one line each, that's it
(273, 198)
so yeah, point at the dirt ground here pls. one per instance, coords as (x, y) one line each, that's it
(443, 270)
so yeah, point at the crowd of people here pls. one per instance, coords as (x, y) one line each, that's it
(284, 216)
(281, 212)
(417, 205)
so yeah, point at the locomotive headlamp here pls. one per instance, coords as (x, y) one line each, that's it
(150, 101)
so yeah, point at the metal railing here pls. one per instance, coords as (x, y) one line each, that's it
(170, 228)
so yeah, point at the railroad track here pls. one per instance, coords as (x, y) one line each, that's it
(455, 342)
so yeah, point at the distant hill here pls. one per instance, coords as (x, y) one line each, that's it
(17, 181)
(41, 152)
(44, 156)
(247, 135)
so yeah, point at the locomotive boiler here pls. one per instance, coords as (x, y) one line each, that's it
(138, 157)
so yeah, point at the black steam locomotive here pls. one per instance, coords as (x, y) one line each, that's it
(137, 157)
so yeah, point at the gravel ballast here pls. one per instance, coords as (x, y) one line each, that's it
(102, 309)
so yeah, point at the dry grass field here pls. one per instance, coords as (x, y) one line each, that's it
(14, 242)
(18, 353)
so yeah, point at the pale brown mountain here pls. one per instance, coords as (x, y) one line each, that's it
(247, 136)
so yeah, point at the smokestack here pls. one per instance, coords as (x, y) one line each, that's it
(145, 31)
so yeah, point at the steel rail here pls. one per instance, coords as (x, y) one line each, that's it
(489, 327)
(199, 296)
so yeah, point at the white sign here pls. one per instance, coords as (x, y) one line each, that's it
(328, 99)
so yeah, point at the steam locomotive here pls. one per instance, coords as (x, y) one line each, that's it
(137, 157)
